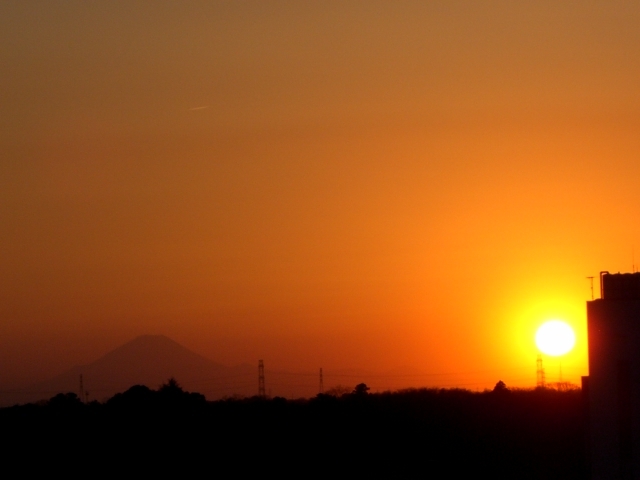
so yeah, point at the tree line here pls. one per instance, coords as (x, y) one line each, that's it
(538, 433)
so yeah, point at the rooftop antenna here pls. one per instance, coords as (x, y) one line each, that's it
(321, 382)
(591, 281)
(633, 259)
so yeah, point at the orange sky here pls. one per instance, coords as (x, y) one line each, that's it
(373, 185)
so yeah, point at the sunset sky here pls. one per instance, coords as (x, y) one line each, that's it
(407, 186)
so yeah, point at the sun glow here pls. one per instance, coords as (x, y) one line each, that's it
(555, 338)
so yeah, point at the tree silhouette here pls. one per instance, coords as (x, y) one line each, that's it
(500, 387)
(361, 389)
(172, 385)
(338, 391)
(65, 401)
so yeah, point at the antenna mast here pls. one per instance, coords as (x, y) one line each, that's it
(321, 382)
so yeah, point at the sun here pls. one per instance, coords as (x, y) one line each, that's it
(555, 338)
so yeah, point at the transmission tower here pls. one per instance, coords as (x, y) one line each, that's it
(261, 390)
(321, 382)
(540, 372)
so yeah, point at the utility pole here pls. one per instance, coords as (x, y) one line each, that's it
(261, 390)
(321, 382)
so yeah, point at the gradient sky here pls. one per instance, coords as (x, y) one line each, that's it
(409, 185)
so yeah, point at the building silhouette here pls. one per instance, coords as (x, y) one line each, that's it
(613, 385)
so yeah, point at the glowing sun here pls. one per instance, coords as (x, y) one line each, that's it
(555, 338)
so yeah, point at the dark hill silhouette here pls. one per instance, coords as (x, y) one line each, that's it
(418, 433)
(149, 360)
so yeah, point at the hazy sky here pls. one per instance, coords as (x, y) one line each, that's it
(317, 184)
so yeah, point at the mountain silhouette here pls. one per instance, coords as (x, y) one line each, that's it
(151, 360)
(148, 360)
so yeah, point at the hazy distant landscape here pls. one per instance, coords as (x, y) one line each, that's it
(147, 360)
(151, 359)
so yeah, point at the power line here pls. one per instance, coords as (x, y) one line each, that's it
(396, 375)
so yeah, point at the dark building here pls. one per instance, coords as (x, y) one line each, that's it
(613, 385)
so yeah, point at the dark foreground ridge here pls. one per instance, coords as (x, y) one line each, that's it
(426, 433)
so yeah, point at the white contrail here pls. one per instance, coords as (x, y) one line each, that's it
(198, 108)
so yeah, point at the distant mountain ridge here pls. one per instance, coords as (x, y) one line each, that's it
(147, 360)
(148, 356)
(152, 360)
